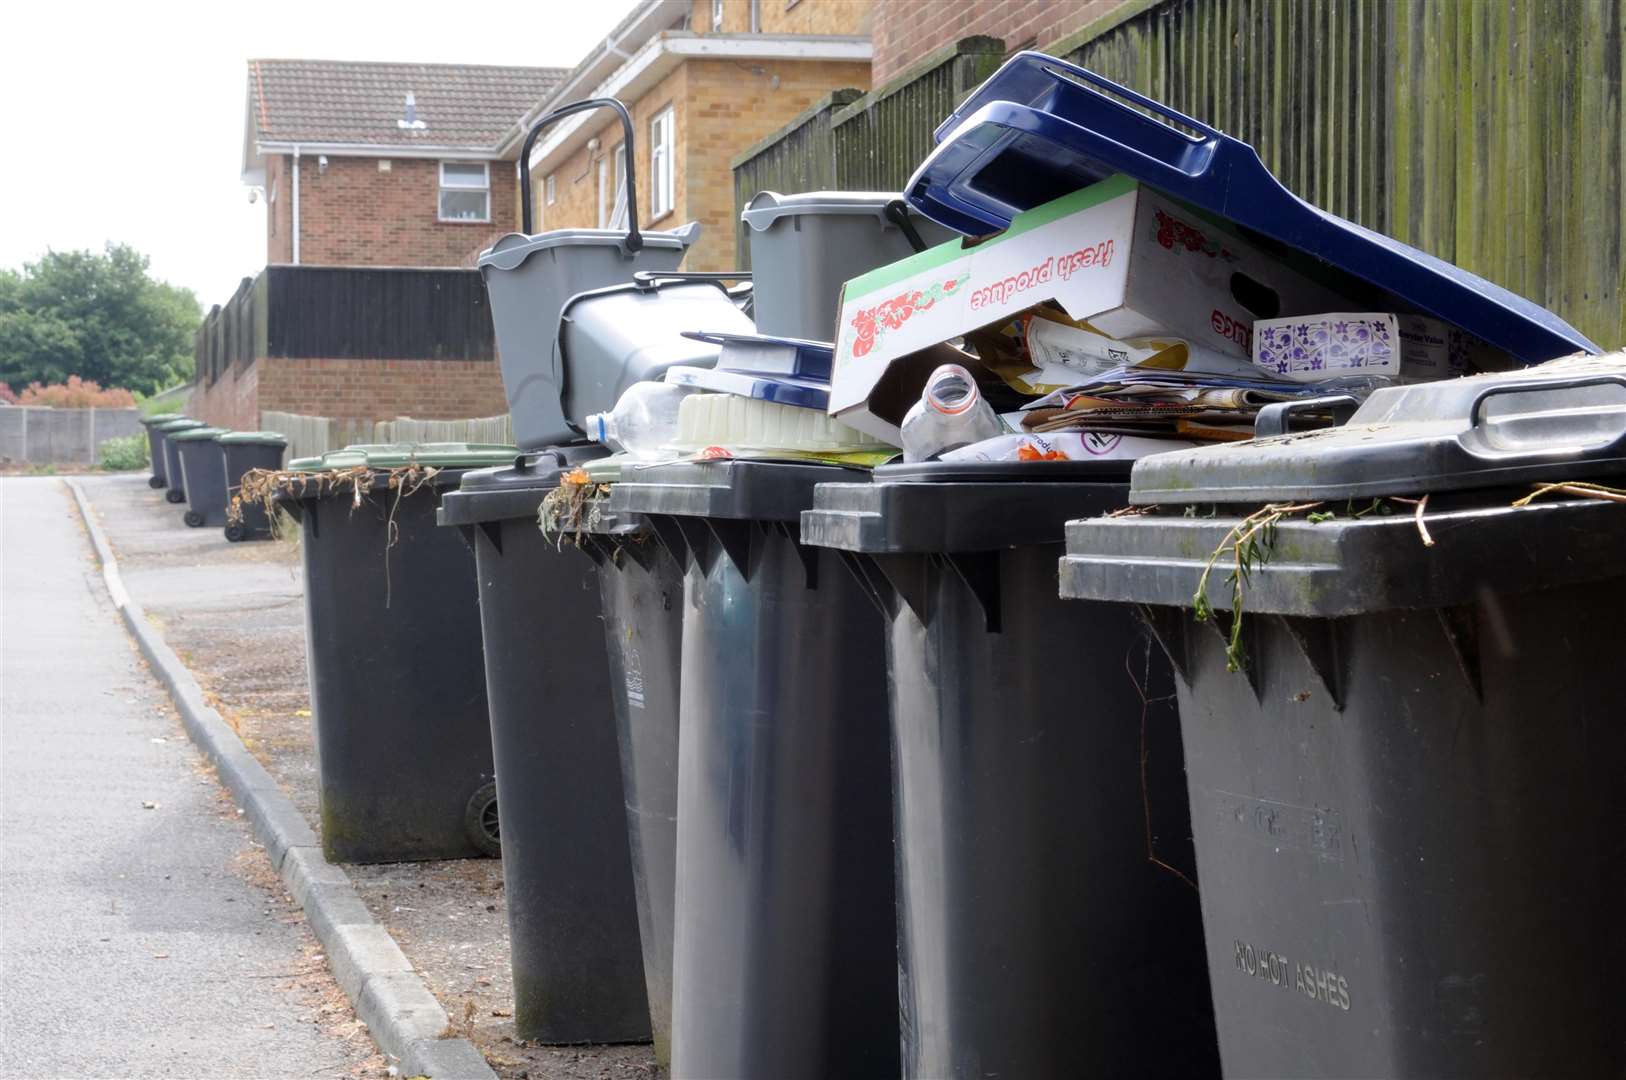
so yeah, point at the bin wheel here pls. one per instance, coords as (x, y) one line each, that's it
(175, 496)
(154, 482)
(234, 533)
(480, 820)
(193, 518)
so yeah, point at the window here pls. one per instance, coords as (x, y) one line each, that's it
(716, 15)
(465, 191)
(603, 193)
(662, 151)
(618, 212)
(549, 194)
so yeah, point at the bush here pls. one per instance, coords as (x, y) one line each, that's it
(7, 394)
(124, 453)
(76, 393)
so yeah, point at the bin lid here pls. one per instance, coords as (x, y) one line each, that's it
(765, 354)
(729, 489)
(513, 249)
(1040, 128)
(780, 389)
(161, 418)
(255, 438)
(446, 455)
(949, 507)
(182, 424)
(767, 207)
(513, 490)
(199, 434)
(1563, 420)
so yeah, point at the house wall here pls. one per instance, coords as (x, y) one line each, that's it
(352, 390)
(906, 30)
(836, 17)
(356, 214)
(232, 400)
(722, 107)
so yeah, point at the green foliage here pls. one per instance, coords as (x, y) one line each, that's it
(123, 454)
(100, 317)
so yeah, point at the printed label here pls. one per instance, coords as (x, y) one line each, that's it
(1319, 984)
(634, 677)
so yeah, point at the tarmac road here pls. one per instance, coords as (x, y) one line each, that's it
(132, 941)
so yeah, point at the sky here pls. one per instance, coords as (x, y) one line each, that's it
(125, 121)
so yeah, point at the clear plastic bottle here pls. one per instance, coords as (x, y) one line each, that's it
(643, 423)
(951, 413)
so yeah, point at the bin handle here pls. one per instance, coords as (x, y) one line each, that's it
(650, 279)
(1476, 414)
(1276, 418)
(634, 240)
(897, 212)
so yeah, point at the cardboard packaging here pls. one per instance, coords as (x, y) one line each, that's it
(1116, 254)
(1332, 345)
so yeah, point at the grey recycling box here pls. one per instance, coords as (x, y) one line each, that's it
(529, 280)
(805, 247)
(1407, 801)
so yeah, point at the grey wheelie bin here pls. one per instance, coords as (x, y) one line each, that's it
(529, 278)
(203, 475)
(804, 247)
(172, 462)
(573, 924)
(640, 580)
(155, 446)
(1407, 798)
(397, 674)
(784, 956)
(240, 452)
(1048, 922)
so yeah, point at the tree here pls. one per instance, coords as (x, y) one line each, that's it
(101, 317)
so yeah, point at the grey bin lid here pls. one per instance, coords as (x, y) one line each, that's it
(254, 438)
(513, 249)
(511, 491)
(1562, 420)
(767, 207)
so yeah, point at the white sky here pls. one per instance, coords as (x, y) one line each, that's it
(124, 121)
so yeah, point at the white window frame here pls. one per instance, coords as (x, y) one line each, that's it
(618, 204)
(550, 195)
(603, 171)
(716, 16)
(485, 168)
(662, 163)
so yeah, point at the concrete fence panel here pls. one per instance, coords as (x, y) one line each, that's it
(35, 435)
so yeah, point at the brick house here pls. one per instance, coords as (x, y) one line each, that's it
(703, 79)
(907, 30)
(384, 164)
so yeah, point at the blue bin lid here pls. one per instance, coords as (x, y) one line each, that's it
(781, 389)
(1040, 128)
(764, 354)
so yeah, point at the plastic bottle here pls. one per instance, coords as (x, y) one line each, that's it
(951, 413)
(643, 423)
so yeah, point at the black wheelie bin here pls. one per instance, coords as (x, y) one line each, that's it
(573, 922)
(1048, 922)
(242, 451)
(784, 955)
(172, 462)
(155, 446)
(1406, 789)
(203, 475)
(397, 674)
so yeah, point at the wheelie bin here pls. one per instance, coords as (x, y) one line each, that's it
(784, 956)
(640, 579)
(1407, 797)
(1048, 922)
(397, 674)
(203, 475)
(155, 446)
(241, 451)
(573, 922)
(529, 278)
(173, 492)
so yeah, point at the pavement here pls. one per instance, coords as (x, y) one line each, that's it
(142, 930)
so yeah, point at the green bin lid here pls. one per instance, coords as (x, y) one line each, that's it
(161, 418)
(255, 438)
(445, 455)
(182, 424)
(199, 434)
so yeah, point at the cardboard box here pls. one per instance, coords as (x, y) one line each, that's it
(1337, 344)
(1124, 258)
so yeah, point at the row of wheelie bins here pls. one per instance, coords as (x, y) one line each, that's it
(927, 770)
(202, 466)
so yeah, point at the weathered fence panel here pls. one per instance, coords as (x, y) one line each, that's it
(36, 435)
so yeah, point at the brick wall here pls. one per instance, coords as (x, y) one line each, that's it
(233, 399)
(382, 389)
(841, 17)
(356, 214)
(906, 30)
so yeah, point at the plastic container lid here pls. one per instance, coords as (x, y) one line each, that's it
(199, 434)
(802, 393)
(182, 424)
(1040, 128)
(767, 207)
(764, 354)
(161, 418)
(727, 489)
(514, 490)
(254, 438)
(513, 249)
(447, 455)
(1564, 420)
